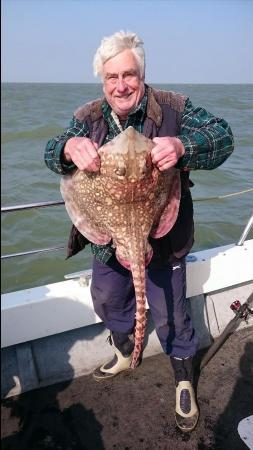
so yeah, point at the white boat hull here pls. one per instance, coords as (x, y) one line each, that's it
(51, 333)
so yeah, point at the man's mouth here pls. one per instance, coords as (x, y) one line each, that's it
(124, 97)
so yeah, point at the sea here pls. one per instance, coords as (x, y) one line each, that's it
(32, 113)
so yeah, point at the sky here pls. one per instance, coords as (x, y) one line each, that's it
(185, 41)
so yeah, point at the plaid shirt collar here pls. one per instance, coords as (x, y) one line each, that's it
(134, 119)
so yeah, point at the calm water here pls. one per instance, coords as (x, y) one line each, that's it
(33, 113)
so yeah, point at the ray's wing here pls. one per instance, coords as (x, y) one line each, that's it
(170, 197)
(80, 208)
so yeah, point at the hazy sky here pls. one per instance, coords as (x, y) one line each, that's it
(186, 41)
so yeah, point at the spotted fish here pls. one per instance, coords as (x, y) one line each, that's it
(125, 202)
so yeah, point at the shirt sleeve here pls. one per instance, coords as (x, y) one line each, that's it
(208, 140)
(54, 148)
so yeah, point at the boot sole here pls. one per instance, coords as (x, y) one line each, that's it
(107, 375)
(100, 379)
(186, 430)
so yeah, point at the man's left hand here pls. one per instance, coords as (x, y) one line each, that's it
(166, 152)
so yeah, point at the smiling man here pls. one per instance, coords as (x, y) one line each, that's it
(185, 137)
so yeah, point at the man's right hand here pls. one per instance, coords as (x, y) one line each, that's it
(83, 153)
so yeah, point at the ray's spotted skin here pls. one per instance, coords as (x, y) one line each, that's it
(128, 200)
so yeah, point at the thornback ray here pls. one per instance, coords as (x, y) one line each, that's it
(125, 202)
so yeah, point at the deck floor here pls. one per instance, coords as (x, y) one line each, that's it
(134, 411)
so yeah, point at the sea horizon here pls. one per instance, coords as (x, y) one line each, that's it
(147, 82)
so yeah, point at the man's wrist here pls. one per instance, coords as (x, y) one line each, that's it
(180, 148)
(66, 161)
(66, 158)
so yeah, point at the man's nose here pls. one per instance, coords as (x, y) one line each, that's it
(121, 84)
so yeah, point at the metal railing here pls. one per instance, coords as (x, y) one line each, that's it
(7, 209)
(32, 252)
(246, 231)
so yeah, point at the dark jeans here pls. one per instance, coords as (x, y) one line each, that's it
(113, 297)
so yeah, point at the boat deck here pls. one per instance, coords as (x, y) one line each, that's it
(134, 411)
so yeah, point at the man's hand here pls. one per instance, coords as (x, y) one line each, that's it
(83, 153)
(166, 152)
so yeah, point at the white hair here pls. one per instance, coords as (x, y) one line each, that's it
(113, 45)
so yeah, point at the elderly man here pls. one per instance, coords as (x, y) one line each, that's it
(186, 137)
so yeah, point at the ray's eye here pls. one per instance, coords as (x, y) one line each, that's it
(120, 171)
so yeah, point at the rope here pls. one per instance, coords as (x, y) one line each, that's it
(201, 199)
(11, 208)
(44, 204)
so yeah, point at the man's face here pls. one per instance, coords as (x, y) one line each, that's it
(123, 86)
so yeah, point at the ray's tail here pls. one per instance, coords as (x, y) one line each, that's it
(137, 265)
(138, 272)
(139, 254)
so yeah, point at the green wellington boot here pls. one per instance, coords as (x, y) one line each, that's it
(186, 410)
(123, 348)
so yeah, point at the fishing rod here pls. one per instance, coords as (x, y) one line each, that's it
(242, 312)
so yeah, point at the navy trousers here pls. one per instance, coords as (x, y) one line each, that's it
(113, 297)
